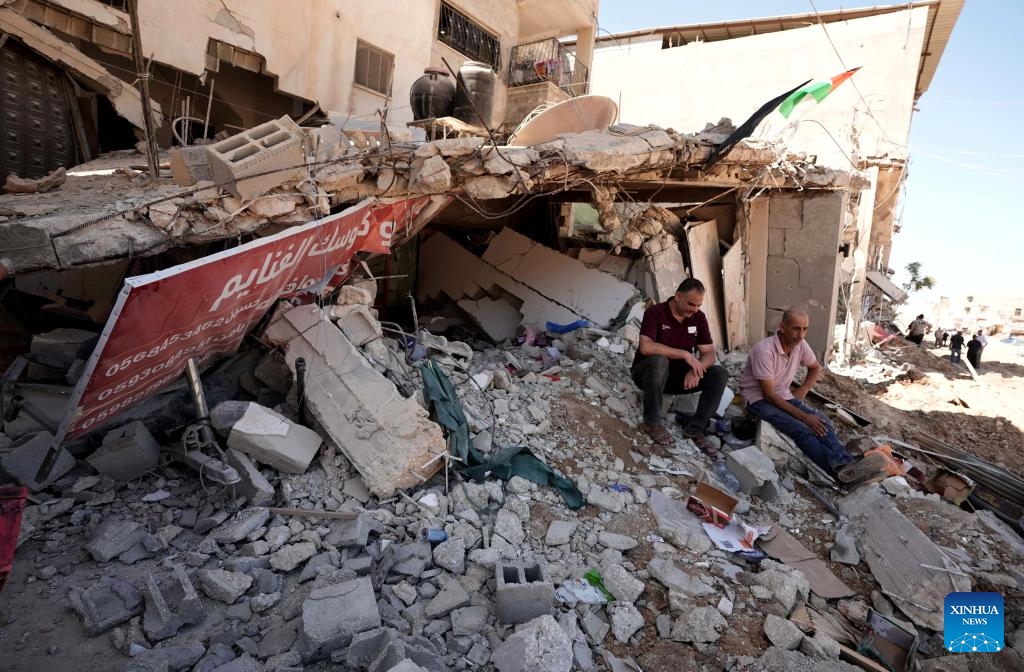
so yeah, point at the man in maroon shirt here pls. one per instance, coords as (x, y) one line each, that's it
(677, 356)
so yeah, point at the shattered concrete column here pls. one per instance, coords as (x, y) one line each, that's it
(388, 439)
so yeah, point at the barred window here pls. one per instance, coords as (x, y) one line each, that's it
(467, 37)
(373, 67)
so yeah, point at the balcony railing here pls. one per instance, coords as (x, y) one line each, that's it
(548, 61)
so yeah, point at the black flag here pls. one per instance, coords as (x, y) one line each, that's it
(748, 126)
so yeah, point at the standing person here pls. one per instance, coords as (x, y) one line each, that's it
(955, 345)
(984, 343)
(974, 348)
(916, 330)
(765, 385)
(677, 356)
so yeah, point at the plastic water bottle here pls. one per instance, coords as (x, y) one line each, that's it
(724, 476)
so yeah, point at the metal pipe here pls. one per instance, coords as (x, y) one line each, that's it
(195, 387)
(300, 388)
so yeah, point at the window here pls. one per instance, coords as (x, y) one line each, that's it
(373, 67)
(465, 36)
(673, 40)
(1017, 312)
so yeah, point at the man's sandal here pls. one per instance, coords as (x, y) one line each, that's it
(659, 434)
(702, 444)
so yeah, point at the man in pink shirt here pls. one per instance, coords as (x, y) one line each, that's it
(765, 385)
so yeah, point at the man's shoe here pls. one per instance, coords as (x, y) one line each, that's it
(868, 469)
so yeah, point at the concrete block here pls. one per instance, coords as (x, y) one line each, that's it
(170, 658)
(254, 486)
(270, 438)
(357, 323)
(272, 151)
(190, 165)
(621, 583)
(782, 632)
(538, 646)
(61, 347)
(453, 596)
(523, 592)
(113, 537)
(273, 372)
(755, 471)
(170, 604)
(106, 604)
(127, 453)
(390, 440)
(244, 523)
(355, 294)
(333, 614)
(23, 457)
(224, 586)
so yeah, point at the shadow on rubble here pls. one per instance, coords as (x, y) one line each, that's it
(1004, 369)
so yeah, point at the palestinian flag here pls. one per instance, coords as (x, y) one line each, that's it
(816, 90)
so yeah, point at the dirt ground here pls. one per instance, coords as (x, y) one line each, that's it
(983, 417)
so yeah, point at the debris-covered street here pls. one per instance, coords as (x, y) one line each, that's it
(295, 376)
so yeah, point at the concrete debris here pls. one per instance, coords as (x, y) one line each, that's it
(537, 646)
(266, 436)
(126, 453)
(170, 605)
(700, 624)
(523, 591)
(254, 486)
(333, 614)
(388, 439)
(626, 620)
(21, 185)
(224, 586)
(755, 472)
(24, 456)
(259, 159)
(357, 323)
(782, 633)
(113, 537)
(106, 604)
(620, 582)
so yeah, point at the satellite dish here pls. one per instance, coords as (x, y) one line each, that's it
(576, 115)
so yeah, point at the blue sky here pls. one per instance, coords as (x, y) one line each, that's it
(959, 214)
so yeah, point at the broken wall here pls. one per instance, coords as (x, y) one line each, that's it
(669, 86)
(802, 267)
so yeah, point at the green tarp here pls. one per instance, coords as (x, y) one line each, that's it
(504, 463)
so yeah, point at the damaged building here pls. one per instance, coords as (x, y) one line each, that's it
(345, 384)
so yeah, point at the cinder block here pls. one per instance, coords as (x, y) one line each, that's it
(270, 438)
(524, 592)
(755, 471)
(127, 453)
(190, 165)
(356, 322)
(23, 458)
(170, 604)
(255, 161)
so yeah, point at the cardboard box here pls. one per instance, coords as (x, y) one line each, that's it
(888, 642)
(951, 486)
(713, 505)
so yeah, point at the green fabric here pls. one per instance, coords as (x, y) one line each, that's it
(593, 577)
(817, 90)
(441, 397)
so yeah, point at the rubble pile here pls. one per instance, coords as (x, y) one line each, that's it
(279, 174)
(322, 558)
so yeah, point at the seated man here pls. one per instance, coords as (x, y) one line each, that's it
(765, 385)
(665, 363)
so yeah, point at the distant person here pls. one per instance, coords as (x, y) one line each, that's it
(945, 337)
(984, 342)
(765, 385)
(956, 344)
(939, 333)
(677, 356)
(917, 329)
(974, 348)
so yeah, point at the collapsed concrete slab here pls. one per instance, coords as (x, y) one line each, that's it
(106, 604)
(896, 550)
(388, 439)
(594, 295)
(23, 458)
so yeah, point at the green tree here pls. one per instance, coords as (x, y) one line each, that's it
(917, 282)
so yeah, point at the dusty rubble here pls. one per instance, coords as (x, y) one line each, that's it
(309, 565)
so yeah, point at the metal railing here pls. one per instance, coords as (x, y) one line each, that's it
(548, 61)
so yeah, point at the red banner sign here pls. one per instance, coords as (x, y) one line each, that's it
(204, 308)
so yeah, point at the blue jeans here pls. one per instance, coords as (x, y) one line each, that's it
(824, 451)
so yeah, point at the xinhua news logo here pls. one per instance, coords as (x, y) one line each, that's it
(973, 622)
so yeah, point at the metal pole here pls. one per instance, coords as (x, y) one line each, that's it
(300, 388)
(143, 78)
